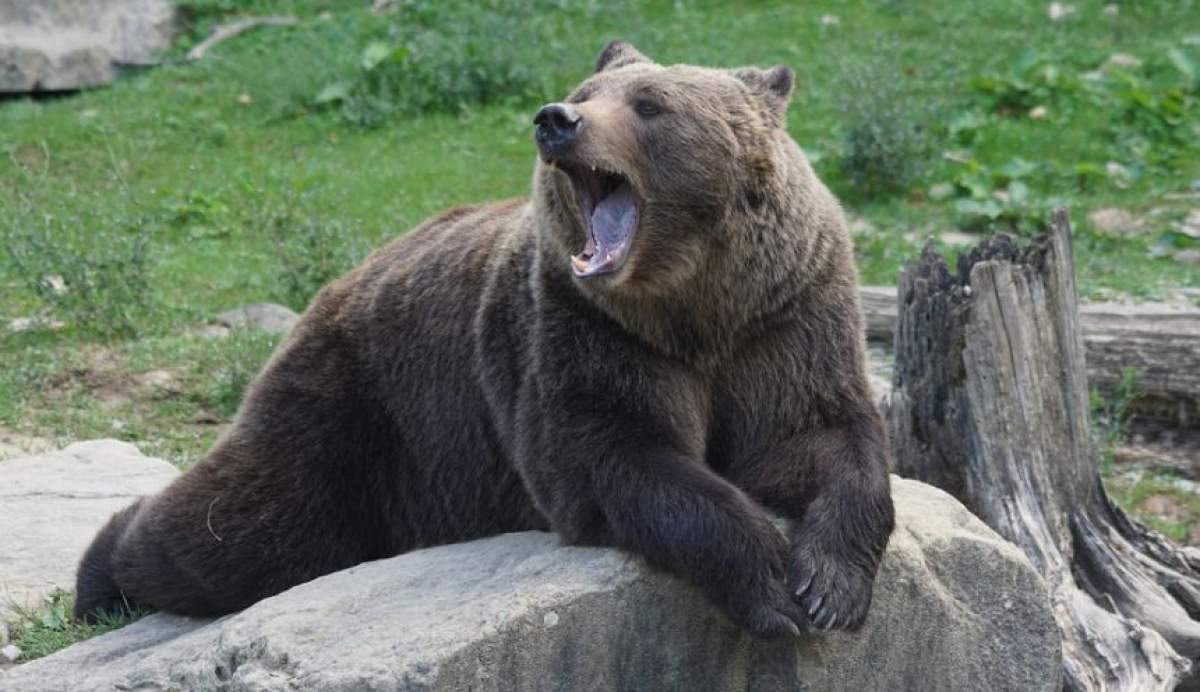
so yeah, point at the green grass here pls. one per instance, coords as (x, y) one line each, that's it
(43, 630)
(1135, 496)
(281, 157)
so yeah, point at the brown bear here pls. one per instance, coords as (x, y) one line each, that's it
(660, 351)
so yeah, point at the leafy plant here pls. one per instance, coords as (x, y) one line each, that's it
(42, 631)
(436, 56)
(888, 142)
(1031, 80)
(311, 251)
(1000, 198)
(242, 354)
(1111, 414)
(92, 272)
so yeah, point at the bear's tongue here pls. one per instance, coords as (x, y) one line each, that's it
(610, 234)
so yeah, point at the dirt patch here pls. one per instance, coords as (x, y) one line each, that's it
(104, 374)
(14, 444)
(1166, 508)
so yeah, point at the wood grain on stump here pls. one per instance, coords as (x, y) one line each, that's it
(991, 403)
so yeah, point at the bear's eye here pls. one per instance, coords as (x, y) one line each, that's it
(647, 109)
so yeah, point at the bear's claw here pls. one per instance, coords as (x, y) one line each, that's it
(833, 593)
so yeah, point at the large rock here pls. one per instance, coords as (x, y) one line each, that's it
(53, 45)
(52, 505)
(957, 608)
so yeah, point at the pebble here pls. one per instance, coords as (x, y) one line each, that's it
(10, 654)
(1188, 256)
(1058, 10)
(1113, 220)
(1123, 61)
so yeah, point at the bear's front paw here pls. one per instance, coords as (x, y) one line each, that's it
(833, 591)
(767, 611)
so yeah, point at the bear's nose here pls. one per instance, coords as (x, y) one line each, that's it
(557, 126)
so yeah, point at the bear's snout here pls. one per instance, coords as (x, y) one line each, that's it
(558, 125)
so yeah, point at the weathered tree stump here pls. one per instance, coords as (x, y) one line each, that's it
(991, 404)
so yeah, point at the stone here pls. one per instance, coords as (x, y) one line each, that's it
(1119, 174)
(1114, 221)
(53, 504)
(1187, 256)
(1190, 226)
(1058, 11)
(957, 239)
(56, 45)
(269, 317)
(1121, 61)
(10, 653)
(956, 608)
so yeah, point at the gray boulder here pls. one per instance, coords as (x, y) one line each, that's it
(52, 45)
(956, 608)
(51, 506)
(269, 317)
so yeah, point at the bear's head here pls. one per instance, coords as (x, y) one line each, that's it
(647, 169)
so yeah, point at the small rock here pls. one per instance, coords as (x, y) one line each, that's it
(325, 16)
(10, 653)
(245, 99)
(1115, 221)
(941, 191)
(212, 331)
(550, 619)
(1037, 113)
(25, 324)
(1190, 226)
(56, 284)
(830, 20)
(159, 379)
(1121, 61)
(269, 317)
(1058, 11)
(1187, 256)
(858, 226)
(1112, 10)
(956, 238)
(1118, 173)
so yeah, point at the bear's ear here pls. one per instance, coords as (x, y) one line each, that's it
(618, 54)
(774, 86)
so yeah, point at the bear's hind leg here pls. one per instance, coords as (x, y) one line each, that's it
(96, 589)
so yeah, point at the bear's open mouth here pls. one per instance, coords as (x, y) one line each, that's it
(610, 217)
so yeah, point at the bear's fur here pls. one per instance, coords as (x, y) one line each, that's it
(467, 381)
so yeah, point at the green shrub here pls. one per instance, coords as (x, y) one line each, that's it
(888, 141)
(91, 271)
(240, 357)
(439, 56)
(311, 251)
(41, 631)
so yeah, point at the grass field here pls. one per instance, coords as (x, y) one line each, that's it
(133, 214)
